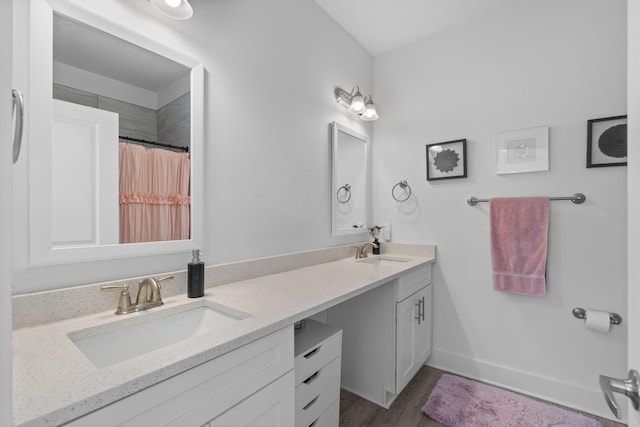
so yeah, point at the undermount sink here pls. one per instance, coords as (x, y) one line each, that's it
(383, 260)
(117, 345)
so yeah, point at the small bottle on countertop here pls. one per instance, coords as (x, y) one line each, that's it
(376, 249)
(195, 276)
(375, 233)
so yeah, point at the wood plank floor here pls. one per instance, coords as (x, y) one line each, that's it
(406, 409)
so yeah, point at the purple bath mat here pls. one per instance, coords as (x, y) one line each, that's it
(458, 402)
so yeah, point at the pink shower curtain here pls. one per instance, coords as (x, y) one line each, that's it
(154, 194)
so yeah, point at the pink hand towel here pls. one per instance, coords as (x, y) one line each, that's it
(519, 228)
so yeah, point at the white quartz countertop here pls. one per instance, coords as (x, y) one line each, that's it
(55, 383)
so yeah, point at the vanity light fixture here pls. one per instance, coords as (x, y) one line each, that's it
(356, 103)
(176, 9)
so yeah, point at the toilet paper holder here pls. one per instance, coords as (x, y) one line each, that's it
(581, 313)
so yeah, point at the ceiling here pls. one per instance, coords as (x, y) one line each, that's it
(90, 49)
(379, 25)
(384, 25)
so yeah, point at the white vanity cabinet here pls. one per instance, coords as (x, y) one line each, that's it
(317, 374)
(252, 385)
(387, 335)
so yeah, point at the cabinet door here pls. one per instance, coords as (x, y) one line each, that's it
(273, 406)
(413, 335)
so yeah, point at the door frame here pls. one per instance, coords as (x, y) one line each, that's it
(633, 178)
(6, 171)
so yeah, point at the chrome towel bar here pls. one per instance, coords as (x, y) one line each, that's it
(577, 198)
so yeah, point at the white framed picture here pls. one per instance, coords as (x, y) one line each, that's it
(522, 150)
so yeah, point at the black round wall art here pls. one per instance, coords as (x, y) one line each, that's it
(613, 141)
(607, 142)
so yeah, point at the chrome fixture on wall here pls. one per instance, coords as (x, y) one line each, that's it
(356, 103)
(344, 194)
(581, 313)
(406, 188)
(176, 9)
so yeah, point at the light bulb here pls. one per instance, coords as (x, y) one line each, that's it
(173, 3)
(370, 113)
(357, 105)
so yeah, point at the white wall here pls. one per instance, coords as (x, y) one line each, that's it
(271, 69)
(532, 63)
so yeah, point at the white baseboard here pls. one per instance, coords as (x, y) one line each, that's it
(576, 396)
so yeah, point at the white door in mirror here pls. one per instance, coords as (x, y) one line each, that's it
(84, 176)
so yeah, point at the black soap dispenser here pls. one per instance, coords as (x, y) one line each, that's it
(195, 276)
(375, 233)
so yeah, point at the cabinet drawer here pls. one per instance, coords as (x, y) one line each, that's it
(329, 418)
(412, 281)
(318, 356)
(316, 407)
(317, 383)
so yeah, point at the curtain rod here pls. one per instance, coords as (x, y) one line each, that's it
(577, 198)
(158, 144)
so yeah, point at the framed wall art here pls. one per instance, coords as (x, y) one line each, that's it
(607, 142)
(447, 160)
(522, 150)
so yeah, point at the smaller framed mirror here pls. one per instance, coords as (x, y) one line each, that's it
(350, 187)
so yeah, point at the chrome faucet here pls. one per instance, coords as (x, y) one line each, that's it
(124, 302)
(361, 251)
(148, 295)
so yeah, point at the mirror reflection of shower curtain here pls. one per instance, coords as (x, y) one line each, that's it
(154, 194)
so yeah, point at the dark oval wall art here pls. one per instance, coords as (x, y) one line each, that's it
(607, 142)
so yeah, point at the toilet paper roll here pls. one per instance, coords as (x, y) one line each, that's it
(597, 320)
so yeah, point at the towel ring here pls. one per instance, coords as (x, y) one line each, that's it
(403, 184)
(346, 194)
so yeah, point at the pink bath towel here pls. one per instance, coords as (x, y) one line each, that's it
(519, 228)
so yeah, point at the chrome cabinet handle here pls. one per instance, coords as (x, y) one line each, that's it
(420, 316)
(312, 378)
(312, 352)
(18, 113)
(310, 404)
(628, 387)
